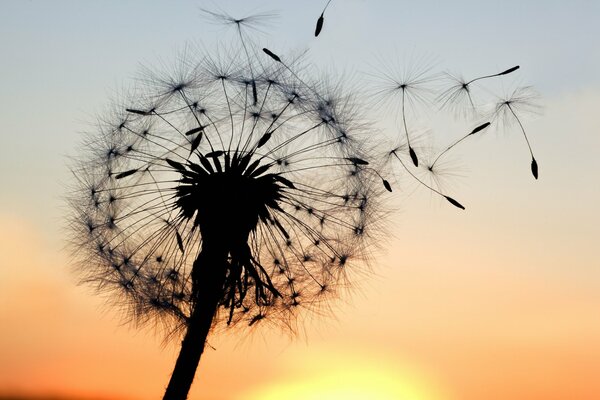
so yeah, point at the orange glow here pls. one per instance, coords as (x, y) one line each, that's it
(429, 331)
(342, 376)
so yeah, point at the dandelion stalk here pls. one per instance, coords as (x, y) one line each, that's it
(474, 131)
(505, 72)
(521, 100)
(411, 151)
(448, 198)
(534, 165)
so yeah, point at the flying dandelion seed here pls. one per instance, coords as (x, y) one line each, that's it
(254, 23)
(410, 87)
(228, 195)
(511, 108)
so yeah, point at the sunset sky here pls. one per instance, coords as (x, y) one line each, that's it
(500, 301)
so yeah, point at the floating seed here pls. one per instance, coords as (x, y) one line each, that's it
(126, 173)
(272, 55)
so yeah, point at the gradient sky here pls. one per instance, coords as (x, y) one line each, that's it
(501, 301)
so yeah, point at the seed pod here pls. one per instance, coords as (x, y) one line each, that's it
(179, 241)
(480, 128)
(534, 168)
(264, 140)
(284, 181)
(251, 168)
(281, 228)
(319, 25)
(357, 161)
(508, 71)
(178, 166)
(195, 130)
(272, 55)
(413, 156)
(139, 112)
(215, 154)
(196, 142)
(387, 185)
(205, 163)
(254, 92)
(126, 173)
(260, 170)
(454, 202)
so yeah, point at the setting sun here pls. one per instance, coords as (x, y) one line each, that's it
(338, 376)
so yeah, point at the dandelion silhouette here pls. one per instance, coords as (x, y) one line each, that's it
(232, 194)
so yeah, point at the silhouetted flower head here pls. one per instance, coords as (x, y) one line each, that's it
(237, 153)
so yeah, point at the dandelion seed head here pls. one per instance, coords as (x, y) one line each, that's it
(234, 154)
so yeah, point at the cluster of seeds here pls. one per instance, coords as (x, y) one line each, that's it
(242, 152)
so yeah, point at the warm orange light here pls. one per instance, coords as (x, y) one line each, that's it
(335, 377)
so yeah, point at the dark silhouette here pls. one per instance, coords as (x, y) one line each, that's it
(509, 107)
(229, 194)
(321, 20)
(416, 86)
(232, 192)
(522, 97)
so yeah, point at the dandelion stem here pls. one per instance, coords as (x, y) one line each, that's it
(292, 139)
(477, 129)
(249, 138)
(534, 166)
(253, 79)
(508, 71)
(209, 270)
(411, 151)
(230, 114)
(325, 8)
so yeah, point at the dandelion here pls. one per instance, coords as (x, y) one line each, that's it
(229, 195)
(234, 192)
(510, 108)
